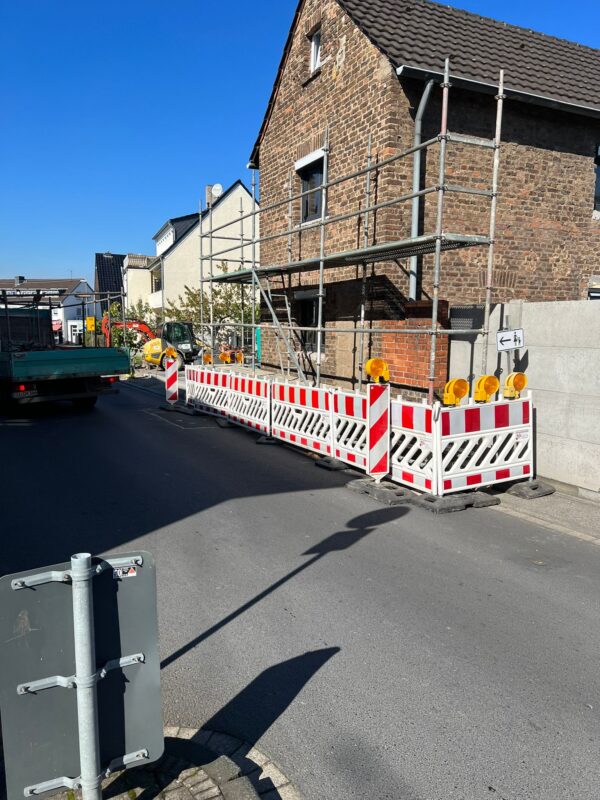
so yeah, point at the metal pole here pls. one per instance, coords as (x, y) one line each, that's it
(439, 231)
(201, 296)
(254, 279)
(162, 288)
(290, 218)
(82, 318)
(242, 262)
(363, 291)
(493, 208)
(85, 676)
(416, 183)
(322, 258)
(210, 272)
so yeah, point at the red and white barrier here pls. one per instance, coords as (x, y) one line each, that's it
(171, 380)
(433, 449)
(250, 402)
(302, 416)
(413, 446)
(378, 424)
(208, 390)
(350, 430)
(481, 445)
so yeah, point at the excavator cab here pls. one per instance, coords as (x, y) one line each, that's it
(177, 336)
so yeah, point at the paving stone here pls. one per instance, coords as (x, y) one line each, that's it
(283, 793)
(208, 795)
(255, 755)
(222, 770)
(202, 736)
(199, 777)
(201, 786)
(187, 773)
(172, 731)
(187, 733)
(275, 775)
(239, 789)
(223, 744)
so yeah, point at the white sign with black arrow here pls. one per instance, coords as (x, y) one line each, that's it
(510, 340)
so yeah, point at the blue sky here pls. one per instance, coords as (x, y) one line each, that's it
(116, 114)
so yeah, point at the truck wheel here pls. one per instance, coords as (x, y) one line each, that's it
(85, 403)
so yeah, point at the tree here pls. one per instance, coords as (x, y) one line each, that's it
(227, 308)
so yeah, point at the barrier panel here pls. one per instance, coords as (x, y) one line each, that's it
(413, 445)
(250, 402)
(350, 432)
(207, 390)
(302, 416)
(433, 449)
(481, 445)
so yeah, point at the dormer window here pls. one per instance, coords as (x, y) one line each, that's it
(315, 50)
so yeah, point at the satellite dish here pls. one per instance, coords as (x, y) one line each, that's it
(217, 190)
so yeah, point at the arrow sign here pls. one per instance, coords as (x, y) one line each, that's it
(510, 340)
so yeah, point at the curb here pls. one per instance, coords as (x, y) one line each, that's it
(200, 764)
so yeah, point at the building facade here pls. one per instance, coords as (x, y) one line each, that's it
(352, 77)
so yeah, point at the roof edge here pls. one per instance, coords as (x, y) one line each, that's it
(408, 71)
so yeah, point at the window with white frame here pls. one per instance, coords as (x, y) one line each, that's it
(315, 50)
(310, 171)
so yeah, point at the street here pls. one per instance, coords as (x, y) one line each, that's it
(372, 652)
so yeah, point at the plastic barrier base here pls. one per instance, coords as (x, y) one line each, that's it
(332, 464)
(393, 495)
(531, 489)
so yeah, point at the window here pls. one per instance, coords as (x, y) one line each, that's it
(597, 191)
(307, 311)
(156, 281)
(315, 50)
(312, 180)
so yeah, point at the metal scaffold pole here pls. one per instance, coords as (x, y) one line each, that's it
(322, 258)
(493, 210)
(212, 293)
(363, 291)
(254, 279)
(439, 229)
(242, 267)
(201, 294)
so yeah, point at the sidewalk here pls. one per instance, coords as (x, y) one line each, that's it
(559, 512)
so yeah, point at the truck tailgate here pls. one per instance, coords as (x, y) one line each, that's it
(79, 362)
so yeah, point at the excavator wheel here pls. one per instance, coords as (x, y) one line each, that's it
(180, 362)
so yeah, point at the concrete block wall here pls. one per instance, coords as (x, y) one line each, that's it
(562, 361)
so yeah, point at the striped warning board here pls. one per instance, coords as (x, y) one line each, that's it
(171, 380)
(378, 423)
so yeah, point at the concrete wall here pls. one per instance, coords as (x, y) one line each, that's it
(562, 362)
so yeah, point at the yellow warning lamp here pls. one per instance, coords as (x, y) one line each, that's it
(377, 369)
(514, 385)
(207, 358)
(485, 388)
(454, 391)
(225, 357)
(239, 357)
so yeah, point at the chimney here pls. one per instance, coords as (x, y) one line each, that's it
(19, 279)
(209, 197)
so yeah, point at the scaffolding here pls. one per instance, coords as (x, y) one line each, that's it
(436, 242)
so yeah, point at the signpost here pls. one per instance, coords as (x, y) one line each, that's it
(510, 340)
(79, 673)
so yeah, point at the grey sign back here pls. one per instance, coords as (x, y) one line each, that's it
(39, 728)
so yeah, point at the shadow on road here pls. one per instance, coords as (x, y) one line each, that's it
(358, 528)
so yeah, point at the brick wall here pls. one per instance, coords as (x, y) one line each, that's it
(547, 243)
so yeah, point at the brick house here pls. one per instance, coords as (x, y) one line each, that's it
(356, 70)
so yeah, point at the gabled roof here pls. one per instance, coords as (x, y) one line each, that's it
(183, 225)
(422, 34)
(109, 273)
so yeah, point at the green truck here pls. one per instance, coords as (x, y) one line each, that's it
(35, 369)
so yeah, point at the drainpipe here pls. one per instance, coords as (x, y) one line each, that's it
(416, 185)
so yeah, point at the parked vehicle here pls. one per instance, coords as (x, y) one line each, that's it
(171, 339)
(34, 369)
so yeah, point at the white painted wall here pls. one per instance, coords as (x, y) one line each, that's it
(562, 360)
(181, 267)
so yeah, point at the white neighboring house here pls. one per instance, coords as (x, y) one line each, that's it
(68, 310)
(177, 261)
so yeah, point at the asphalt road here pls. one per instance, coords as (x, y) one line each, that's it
(372, 652)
